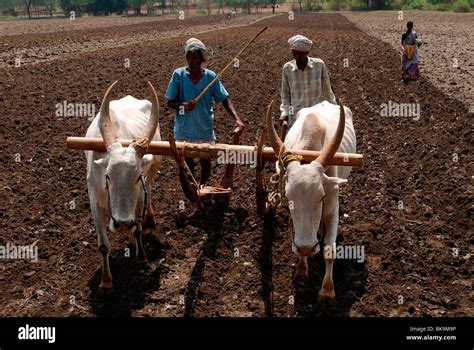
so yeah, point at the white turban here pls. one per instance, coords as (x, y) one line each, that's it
(194, 44)
(300, 43)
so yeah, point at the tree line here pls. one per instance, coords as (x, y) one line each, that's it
(119, 7)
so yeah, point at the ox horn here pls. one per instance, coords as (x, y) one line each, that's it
(152, 124)
(105, 123)
(275, 140)
(331, 148)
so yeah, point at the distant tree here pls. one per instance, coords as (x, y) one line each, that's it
(300, 4)
(175, 4)
(163, 6)
(120, 6)
(380, 4)
(78, 6)
(65, 6)
(136, 6)
(150, 9)
(99, 7)
(50, 5)
(220, 5)
(28, 4)
(275, 2)
(7, 7)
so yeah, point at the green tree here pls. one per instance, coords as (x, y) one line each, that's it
(220, 5)
(50, 5)
(8, 7)
(276, 2)
(28, 4)
(136, 6)
(78, 6)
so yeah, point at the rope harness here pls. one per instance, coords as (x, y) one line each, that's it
(141, 147)
(277, 179)
(139, 220)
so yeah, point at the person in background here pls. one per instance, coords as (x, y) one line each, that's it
(410, 57)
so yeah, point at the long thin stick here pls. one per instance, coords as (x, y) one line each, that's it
(226, 67)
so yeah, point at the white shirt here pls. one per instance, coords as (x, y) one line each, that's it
(301, 89)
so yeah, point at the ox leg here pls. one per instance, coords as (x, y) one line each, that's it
(104, 246)
(327, 293)
(302, 266)
(141, 255)
(149, 219)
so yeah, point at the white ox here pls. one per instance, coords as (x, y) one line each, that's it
(120, 181)
(313, 189)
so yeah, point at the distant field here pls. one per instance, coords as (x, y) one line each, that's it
(42, 40)
(447, 56)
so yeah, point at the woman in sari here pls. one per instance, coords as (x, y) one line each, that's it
(410, 58)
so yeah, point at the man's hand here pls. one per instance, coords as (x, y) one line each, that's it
(189, 106)
(239, 126)
(283, 118)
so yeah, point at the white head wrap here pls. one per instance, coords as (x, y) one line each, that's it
(300, 43)
(194, 44)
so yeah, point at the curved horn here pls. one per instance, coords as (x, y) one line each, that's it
(152, 124)
(275, 140)
(105, 123)
(331, 148)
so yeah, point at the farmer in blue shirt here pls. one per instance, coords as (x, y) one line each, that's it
(194, 122)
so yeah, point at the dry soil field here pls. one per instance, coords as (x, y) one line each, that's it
(418, 257)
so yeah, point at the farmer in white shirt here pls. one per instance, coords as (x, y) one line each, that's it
(305, 81)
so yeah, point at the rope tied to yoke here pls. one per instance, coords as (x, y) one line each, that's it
(141, 145)
(284, 157)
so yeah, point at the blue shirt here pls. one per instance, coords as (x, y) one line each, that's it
(197, 124)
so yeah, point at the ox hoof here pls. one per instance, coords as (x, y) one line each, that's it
(302, 268)
(149, 221)
(142, 262)
(106, 288)
(302, 272)
(327, 300)
(300, 277)
(300, 280)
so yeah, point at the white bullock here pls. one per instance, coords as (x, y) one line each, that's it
(120, 180)
(313, 189)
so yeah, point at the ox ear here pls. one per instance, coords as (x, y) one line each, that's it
(102, 162)
(333, 181)
(146, 162)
